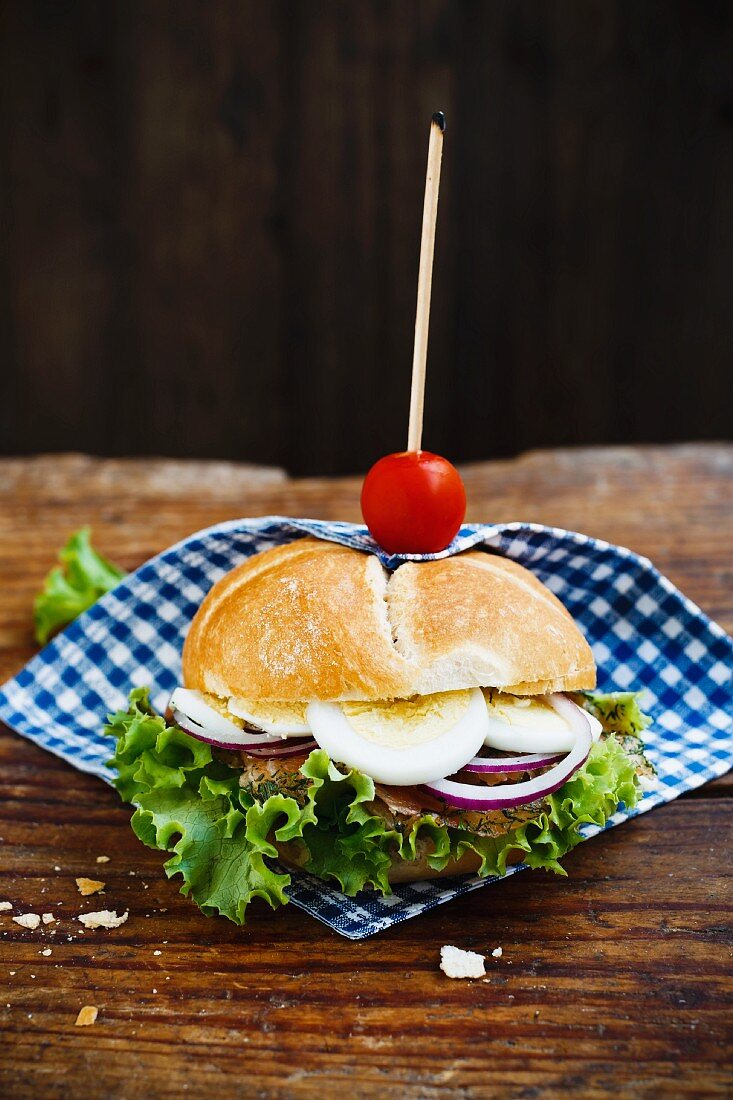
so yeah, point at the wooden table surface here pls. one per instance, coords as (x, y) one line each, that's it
(614, 981)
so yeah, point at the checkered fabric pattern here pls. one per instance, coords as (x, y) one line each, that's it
(644, 634)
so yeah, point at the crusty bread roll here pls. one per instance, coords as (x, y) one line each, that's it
(315, 620)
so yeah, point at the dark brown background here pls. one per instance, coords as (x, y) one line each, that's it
(210, 217)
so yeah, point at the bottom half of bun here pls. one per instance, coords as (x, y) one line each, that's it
(293, 854)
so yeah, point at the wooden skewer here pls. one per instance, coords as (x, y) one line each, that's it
(425, 281)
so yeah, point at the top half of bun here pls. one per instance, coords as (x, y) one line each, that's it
(315, 620)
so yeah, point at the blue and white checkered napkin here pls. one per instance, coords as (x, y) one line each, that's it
(644, 634)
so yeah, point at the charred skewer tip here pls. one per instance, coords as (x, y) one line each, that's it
(439, 120)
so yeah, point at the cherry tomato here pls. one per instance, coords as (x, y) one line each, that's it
(413, 502)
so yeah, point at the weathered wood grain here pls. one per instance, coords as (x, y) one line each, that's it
(615, 981)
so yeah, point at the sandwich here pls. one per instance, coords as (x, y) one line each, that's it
(374, 728)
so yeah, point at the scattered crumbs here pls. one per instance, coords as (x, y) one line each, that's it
(102, 859)
(167, 977)
(12, 972)
(47, 951)
(28, 920)
(48, 918)
(87, 1015)
(32, 975)
(457, 963)
(154, 990)
(131, 872)
(157, 952)
(89, 886)
(57, 868)
(105, 918)
(5, 905)
(536, 1013)
(497, 952)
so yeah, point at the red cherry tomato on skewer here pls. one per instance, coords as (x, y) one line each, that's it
(413, 502)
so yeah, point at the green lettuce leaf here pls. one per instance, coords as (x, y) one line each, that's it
(222, 837)
(617, 711)
(190, 804)
(346, 841)
(72, 587)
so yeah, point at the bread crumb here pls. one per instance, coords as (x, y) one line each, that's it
(87, 1015)
(157, 952)
(456, 963)
(5, 905)
(46, 952)
(102, 859)
(48, 918)
(57, 868)
(105, 918)
(28, 920)
(498, 952)
(89, 886)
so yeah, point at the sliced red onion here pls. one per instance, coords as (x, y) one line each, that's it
(230, 741)
(567, 709)
(292, 748)
(504, 796)
(527, 762)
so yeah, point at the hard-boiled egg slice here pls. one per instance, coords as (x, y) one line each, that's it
(404, 742)
(284, 719)
(528, 723)
(197, 706)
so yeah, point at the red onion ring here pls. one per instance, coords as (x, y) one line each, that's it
(528, 762)
(248, 737)
(293, 748)
(504, 796)
(566, 708)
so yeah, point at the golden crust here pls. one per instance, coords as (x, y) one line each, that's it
(315, 620)
(480, 620)
(303, 621)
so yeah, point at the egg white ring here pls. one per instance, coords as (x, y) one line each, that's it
(194, 706)
(280, 729)
(517, 738)
(402, 767)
